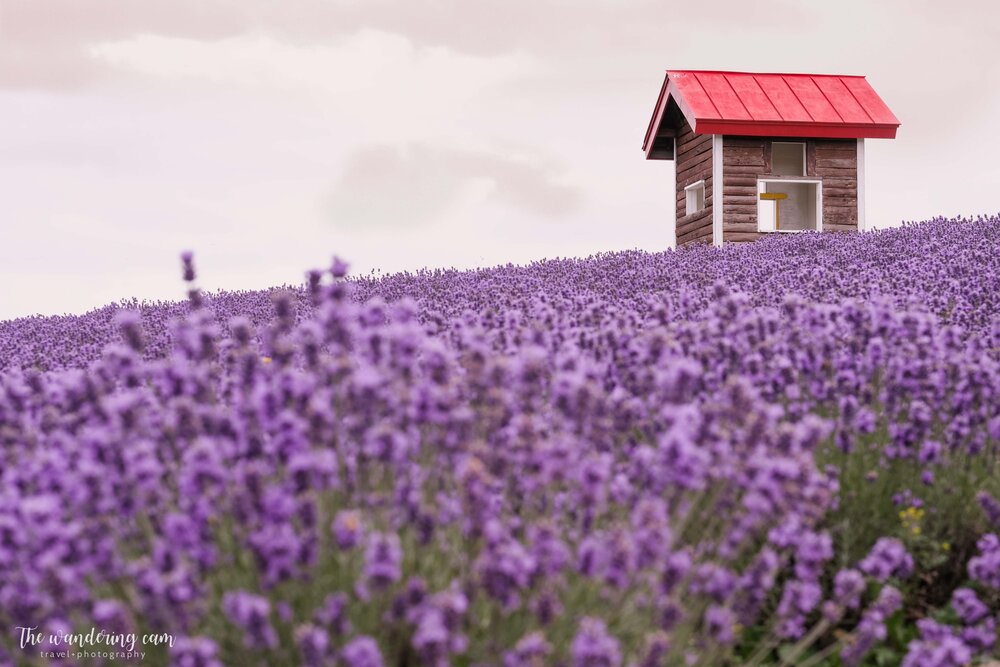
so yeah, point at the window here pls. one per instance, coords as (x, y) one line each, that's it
(788, 159)
(694, 195)
(790, 205)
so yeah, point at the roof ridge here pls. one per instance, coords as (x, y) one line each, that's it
(731, 71)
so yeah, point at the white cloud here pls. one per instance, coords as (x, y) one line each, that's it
(389, 186)
(378, 80)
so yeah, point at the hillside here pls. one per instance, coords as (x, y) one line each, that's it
(774, 454)
(950, 268)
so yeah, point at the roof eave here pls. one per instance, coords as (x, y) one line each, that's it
(667, 92)
(654, 122)
(759, 128)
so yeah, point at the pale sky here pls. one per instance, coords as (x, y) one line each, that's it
(266, 136)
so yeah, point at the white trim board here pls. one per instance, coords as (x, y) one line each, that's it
(717, 190)
(862, 223)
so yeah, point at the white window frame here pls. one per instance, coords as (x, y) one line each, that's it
(790, 143)
(689, 192)
(762, 181)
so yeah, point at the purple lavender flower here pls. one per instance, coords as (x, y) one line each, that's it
(720, 622)
(339, 267)
(504, 569)
(980, 637)
(546, 606)
(194, 652)
(985, 567)
(968, 607)
(437, 622)
(651, 531)
(530, 651)
(678, 565)
(713, 580)
(332, 614)
(888, 558)
(593, 646)
(930, 452)
(361, 652)
(848, 585)
(252, 614)
(812, 551)
(112, 615)
(798, 599)
(383, 558)
(187, 260)
(313, 644)
(938, 646)
(549, 552)
(991, 506)
(347, 529)
(871, 629)
(656, 649)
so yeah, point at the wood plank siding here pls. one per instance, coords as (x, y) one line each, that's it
(694, 163)
(834, 161)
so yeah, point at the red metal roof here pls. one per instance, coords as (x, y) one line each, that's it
(772, 105)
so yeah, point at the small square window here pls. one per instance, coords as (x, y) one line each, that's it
(788, 159)
(694, 196)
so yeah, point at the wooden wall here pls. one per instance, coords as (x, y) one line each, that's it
(694, 163)
(834, 161)
(743, 160)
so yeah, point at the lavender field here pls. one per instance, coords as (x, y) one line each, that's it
(783, 453)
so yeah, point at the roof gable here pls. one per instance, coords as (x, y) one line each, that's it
(772, 104)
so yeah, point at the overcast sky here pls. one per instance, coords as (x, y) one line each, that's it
(267, 136)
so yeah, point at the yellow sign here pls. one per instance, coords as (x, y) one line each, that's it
(776, 197)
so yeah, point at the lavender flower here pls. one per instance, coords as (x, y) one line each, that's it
(991, 506)
(530, 651)
(347, 529)
(361, 652)
(888, 558)
(594, 647)
(985, 567)
(871, 629)
(313, 644)
(332, 614)
(968, 607)
(194, 652)
(383, 558)
(252, 614)
(938, 646)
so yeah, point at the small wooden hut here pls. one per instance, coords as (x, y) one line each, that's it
(781, 152)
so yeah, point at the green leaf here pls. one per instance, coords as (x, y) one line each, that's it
(886, 656)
